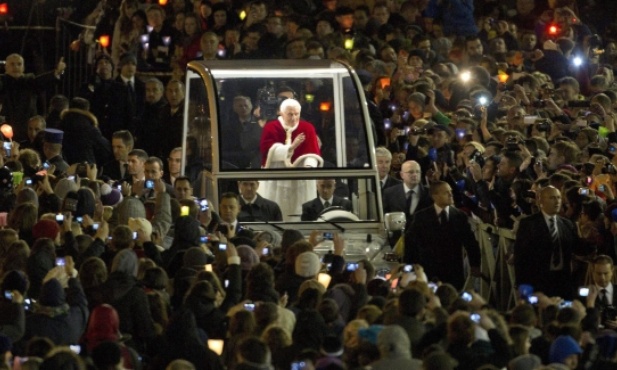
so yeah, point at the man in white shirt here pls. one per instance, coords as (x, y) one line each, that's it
(229, 208)
(601, 294)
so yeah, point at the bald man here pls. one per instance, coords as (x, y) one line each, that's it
(544, 246)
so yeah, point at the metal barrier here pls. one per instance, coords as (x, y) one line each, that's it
(78, 60)
(498, 285)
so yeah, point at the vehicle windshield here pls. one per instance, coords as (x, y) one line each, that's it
(291, 127)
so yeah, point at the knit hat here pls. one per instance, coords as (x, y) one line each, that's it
(524, 362)
(563, 347)
(308, 264)
(15, 280)
(45, 229)
(52, 294)
(125, 261)
(136, 223)
(248, 257)
(195, 256)
(110, 196)
(5, 344)
(130, 207)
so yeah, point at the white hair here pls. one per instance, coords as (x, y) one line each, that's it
(290, 103)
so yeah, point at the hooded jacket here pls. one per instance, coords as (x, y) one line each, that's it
(82, 140)
(58, 316)
(123, 293)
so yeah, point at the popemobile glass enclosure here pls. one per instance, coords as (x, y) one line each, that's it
(228, 107)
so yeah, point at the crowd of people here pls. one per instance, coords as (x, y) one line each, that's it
(500, 111)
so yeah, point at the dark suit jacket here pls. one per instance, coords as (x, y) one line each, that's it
(123, 110)
(312, 209)
(112, 170)
(532, 255)
(395, 200)
(261, 209)
(439, 248)
(390, 182)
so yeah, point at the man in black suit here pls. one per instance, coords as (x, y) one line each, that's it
(410, 195)
(437, 236)
(602, 295)
(384, 163)
(326, 198)
(543, 248)
(121, 145)
(254, 207)
(127, 99)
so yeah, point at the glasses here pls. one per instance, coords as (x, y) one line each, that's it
(411, 172)
(174, 160)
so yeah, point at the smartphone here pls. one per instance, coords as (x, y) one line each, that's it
(475, 317)
(249, 306)
(203, 239)
(72, 178)
(432, 286)
(532, 299)
(564, 304)
(460, 133)
(583, 191)
(184, 211)
(612, 149)
(266, 251)
(29, 182)
(203, 205)
(583, 291)
(95, 226)
(226, 283)
(352, 266)
(602, 188)
(60, 261)
(79, 219)
(28, 304)
(387, 123)
(7, 148)
(8, 295)
(222, 247)
(75, 348)
(467, 297)
(134, 235)
(328, 236)
(408, 268)
(46, 165)
(298, 365)
(149, 184)
(60, 219)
